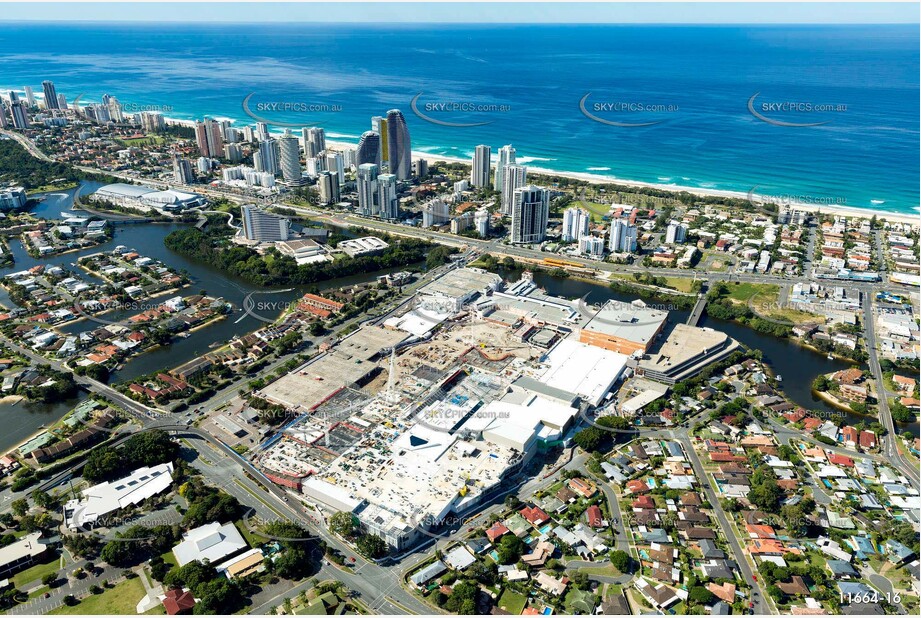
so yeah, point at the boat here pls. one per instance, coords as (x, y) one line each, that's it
(779, 378)
(830, 357)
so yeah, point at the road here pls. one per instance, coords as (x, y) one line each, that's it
(495, 246)
(891, 441)
(760, 603)
(27, 144)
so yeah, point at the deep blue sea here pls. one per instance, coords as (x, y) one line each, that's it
(694, 83)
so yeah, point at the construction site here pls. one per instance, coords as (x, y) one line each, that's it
(403, 430)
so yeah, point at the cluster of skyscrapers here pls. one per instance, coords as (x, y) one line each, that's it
(15, 114)
(377, 193)
(387, 145)
(508, 176)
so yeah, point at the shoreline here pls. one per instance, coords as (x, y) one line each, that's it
(849, 211)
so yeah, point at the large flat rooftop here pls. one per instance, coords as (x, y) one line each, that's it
(345, 364)
(685, 351)
(629, 321)
(462, 283)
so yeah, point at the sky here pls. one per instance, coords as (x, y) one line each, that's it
(470, 12)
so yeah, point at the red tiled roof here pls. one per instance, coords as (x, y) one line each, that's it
(178, 602)
(840, 460)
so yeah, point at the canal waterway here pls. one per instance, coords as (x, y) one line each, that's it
(23, 419)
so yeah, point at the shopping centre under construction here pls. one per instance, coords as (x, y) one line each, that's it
(405, 427)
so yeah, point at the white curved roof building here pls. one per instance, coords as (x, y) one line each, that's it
(145, 198)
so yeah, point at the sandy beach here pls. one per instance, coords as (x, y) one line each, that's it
(604, 179)
(848, 211)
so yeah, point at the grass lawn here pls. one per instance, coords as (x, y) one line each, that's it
(512, 602)
(122, 599)
(682, 284)
(60, 186)
(169, 558)
(607, 571)
(38, 592)
(254, 540)
(763, 299)
(36, 572)
(744, 292)
(597, 210)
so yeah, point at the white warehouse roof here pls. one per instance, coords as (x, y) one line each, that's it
(586, 370)
(104, 498)
(211, 542)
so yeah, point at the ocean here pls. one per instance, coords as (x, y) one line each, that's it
(823, 114)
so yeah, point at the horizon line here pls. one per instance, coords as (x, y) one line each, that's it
(216, 22)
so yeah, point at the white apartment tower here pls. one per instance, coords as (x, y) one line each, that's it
(368, 196)
(575, 224)
(388, 201)
(479, 172)
(506, 157)
(328, 186)
(481, 222)
(290, 159)
(513, 176)
(676, 232)
(530, 211)
(262, 226)
(623, 237)
(314, 139)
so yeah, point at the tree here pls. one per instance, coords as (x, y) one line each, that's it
(438, 256)
(700, 595)
(343, 524)
(589, 439)
(765, 495)
(900, 413)
(82, 545)
(44, 499)
(614, 422)
(192, 575)
(49, 579)
(462, 599)
(20, 506)
(119, 553)
(295, 561)
(621, 561)
(372, 546)
(510, 548)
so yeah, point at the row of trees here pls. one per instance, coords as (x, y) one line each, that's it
(148, 448)
(275, 269)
